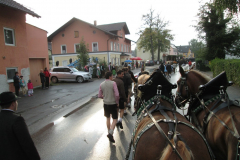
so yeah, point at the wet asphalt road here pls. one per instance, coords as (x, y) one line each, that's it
(83, 135)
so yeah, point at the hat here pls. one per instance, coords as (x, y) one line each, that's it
(7, 97)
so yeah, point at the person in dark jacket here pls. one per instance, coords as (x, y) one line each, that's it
(161, 68)
(122, 95)
(169, 69)
(127, 84)
(16, 84)
(42, 78)
(15, 140)
(47, 75)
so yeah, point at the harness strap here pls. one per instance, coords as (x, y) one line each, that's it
(195, 121)
(163, 134)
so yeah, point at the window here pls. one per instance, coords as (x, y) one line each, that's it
(122, 47)
(118, 47)
(9, 36)
(127, 48)
(76, 34)
(66, 70)
(63, 49)
(121, 34)
(76, 47)
(111, 46)
(115, 47)
(11, 73)
(95, 46)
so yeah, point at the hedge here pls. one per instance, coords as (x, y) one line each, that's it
(231, 66)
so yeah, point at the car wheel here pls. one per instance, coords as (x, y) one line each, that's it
(54, 79)
(79, 79)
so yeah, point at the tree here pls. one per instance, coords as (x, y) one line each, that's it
(163, 36)
(231, 5)
(197, 47)
(83, 54)
(147, 34)
(213, 28)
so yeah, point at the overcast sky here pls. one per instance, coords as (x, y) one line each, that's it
(54, 13)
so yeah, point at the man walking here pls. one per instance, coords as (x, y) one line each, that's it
(16, 84)
(16, 142)
(109, 92)
(121, 90)
(127, 82)
(102, 69)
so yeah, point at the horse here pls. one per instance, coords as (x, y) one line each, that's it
(211, 110)
(160, 132)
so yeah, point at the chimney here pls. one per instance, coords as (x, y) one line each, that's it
(95, 23)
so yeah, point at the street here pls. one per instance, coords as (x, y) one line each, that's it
(78, 133)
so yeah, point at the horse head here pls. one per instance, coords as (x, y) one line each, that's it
(153, 84)
(188, 85)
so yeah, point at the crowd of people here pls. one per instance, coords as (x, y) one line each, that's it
(116, 94)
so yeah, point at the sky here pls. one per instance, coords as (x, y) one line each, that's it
(181, 14)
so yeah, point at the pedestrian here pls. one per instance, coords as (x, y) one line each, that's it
(16, 84)
(121, 90)
(132, 75)
(91, 70)
(30, 88)
(137, 64)
(86, 68)
(169, 70)
(98, 73)
(108, 91)
(16, 142)
(102, 68)
(190, 63)
(113, 70)
(110, 67)
(42, 78)
(47, 75)
(161, 68)
(127, 83)
(23, 86)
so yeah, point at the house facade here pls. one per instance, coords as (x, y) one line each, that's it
(185, 51)
(23, 47)
(106, 42)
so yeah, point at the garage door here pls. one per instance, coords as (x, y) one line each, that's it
(35, 66)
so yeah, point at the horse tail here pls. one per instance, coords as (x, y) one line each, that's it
(168, 152)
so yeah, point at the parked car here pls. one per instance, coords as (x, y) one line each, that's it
(149, 63)
(68, 74)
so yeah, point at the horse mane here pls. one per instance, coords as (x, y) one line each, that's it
(168, 152)
(143, 78)
(200, 75)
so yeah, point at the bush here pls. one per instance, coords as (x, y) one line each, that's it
(231, 66)
(202, 65)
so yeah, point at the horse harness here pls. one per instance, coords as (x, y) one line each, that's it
(172, 133)
(219, 98)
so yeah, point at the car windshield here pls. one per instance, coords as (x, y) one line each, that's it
(74, 70)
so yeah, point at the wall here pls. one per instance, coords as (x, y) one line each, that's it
(15, 56)
(85, 30)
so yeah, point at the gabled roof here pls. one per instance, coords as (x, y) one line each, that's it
(70, 22)
(183, 49)
(115, 27)
(15, 5)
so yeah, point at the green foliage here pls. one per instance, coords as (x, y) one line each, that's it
(154, 36)
(231, 66)
(197, 47)
(231, 5)
(213, 28)
(83, 54)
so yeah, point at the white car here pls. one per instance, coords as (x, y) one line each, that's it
(68, 74)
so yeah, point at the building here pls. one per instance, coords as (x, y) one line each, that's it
(106, 42)
(23, 47)
(185, 51)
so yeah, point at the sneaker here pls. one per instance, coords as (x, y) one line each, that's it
(120, 124)
(110, 137)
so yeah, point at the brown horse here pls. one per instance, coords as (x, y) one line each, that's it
(220, 126)
(176, 138)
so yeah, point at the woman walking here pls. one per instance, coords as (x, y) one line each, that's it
(98, 73)
(42, 78)
(113, 70)
(47, 75)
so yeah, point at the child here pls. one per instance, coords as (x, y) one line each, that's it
(23, 85)
(30, 88)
